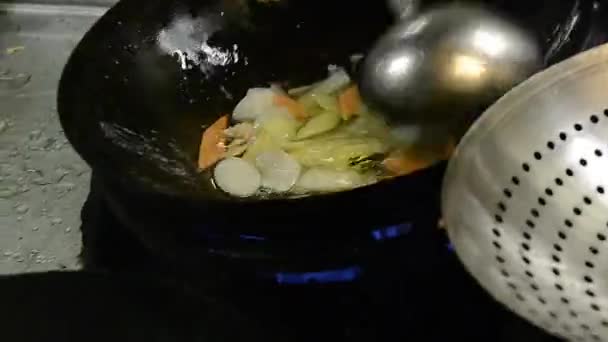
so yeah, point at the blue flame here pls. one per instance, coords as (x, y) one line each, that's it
(323, 277)
(391, 232)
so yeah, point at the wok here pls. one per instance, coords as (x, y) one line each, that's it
(150, 73)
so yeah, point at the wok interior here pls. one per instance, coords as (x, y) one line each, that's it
(148, 77)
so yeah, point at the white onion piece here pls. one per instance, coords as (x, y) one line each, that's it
(318, 179)
(256, 103)
(237, 177)
(279, 170)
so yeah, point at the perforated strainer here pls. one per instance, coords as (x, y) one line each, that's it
(525, 198)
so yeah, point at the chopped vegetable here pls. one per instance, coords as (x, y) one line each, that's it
(327, 102)
(350, 102)
(280, 125)
(257, 102)
(322, 180)
(295, 108)
(262, 143)
(237, 177)
(401, 163)
(335, 152)
(212, 147)
(337, 80)
(279, 170)
(319, 124)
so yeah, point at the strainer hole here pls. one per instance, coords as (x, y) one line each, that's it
(498, 218)
(515, 180)
(563, 136)
(534, 287)
(605, 112)
(526, 260)
(565, 300)
(559, 287)
(529, 274)
(504, 273)
(590, 293)
(562, 235)
(559, 181)
(598, 153)
(589, 264)
(549, 192)
(568, 223)
(585, 327)
(542, 201)
(605, 324)
(578, 127)
(556, 258)
(538, 156)
(596, 338)
(496, 232)
(500, 259)
(541, 300)
(530, 224)
(600, 189)
(527, 236)
(497, 245)
(569, 172)
(594, 119)
(601, 237)
(577, 211)
(595, 307)
(502, 206)
(583, 162)
(525, 246)
(556, 271)
(512, 286)
(593, 250)
(587, 200)
(553, 314)
(573, 314)
(558, 247)
(525, 167)
(588, 279)
(520, 297)
(535, 213)
(551, 145)
(507, 193)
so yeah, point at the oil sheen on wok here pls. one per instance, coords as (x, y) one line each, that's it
(313, 139)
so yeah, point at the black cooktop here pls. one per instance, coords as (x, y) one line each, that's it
(404, 294)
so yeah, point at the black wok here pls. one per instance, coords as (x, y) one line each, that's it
(150, 73)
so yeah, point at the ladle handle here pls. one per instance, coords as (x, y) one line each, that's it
(404, 8)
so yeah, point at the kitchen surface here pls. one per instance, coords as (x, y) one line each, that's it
(43, 183)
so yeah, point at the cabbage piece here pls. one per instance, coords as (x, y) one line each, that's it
(279, 123)
(263, 142)
(335, 152)
(327, 180)
(337, 80)
(257, 102)
(319, 124)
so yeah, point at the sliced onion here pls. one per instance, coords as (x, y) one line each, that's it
(237, 177)
(279, 170)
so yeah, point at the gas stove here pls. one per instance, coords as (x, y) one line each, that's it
(408, 291)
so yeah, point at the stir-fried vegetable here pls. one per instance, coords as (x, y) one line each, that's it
(315, 138)
(319, 124)
(212, 148)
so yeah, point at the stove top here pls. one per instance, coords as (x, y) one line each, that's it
(403, 294)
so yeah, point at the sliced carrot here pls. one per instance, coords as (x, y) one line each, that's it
(399, 163)
(350, 102)
(212, 143)
(296, 109)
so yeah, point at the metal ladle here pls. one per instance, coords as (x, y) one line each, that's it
(445, 64)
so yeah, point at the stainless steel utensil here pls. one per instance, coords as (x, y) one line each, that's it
(525, 198)
(445, 63)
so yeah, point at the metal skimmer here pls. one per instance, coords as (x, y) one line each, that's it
(525, 198)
